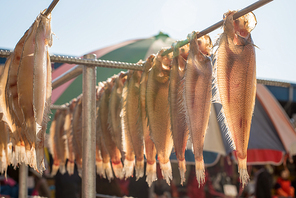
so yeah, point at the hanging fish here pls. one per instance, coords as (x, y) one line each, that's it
(150, 150)
(197, 97)
(69, 132)
(11, 96)
(236, 82)
(77, 133)
(104, 169)
(129, 157)
(4, 154)
(176, 104)
(99, 158)
(158, 112)
(110, 145)
(114, 119)
(33, 85)
(132, 111)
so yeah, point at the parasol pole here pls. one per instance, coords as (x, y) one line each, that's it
(240, 13)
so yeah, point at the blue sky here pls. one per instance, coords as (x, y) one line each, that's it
(84, 26)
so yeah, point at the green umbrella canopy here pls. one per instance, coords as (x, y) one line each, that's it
(129, 51)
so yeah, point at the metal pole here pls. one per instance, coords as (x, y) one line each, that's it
(23, 175)
(65, 77)
(240, 13)
(89, 130)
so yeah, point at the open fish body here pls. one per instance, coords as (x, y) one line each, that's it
(150, 150)
(157, 108)
(77, 133)
(99, 158)
(110, 145)
(129, 157)
(197, 95)
(32, 86)
(114, 119)
(177, 116)
(105, 169)
(11, 95)
(132, 110)
(236, 82)
(69, 132)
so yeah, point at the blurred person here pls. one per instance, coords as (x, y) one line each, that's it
(263, 182)
(283, 185)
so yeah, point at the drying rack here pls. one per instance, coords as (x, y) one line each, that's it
(87, 66)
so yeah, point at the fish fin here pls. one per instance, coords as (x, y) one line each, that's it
(225, 128)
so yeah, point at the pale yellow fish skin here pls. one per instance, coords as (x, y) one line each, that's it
(25, 84)
(158, 112)
(150, 150)
(110, 145)
(197, 94)
(114, 119)
(177, 115)
(11, 94)
(132, 110)
(236, 81)
(40, 70)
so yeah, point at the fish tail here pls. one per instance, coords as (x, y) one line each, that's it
(128, 167)
(151, 173)
(200, 171)
(100, 170)
(166, 170)
(55, 169)
(118, 170)
(70, 167)
(182, 170)
(108, 171)
(242, 169)
(139, 169)
(62, 168)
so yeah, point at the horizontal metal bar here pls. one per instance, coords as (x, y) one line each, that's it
(240, 13)
(68, 75)
(89, 63)
(106, 196)
(273, 83)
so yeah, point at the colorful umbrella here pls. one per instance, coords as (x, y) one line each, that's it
(271, 132)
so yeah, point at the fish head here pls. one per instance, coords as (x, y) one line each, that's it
(45, 21)
(148, 63)
(239, 30)
(161, 67)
